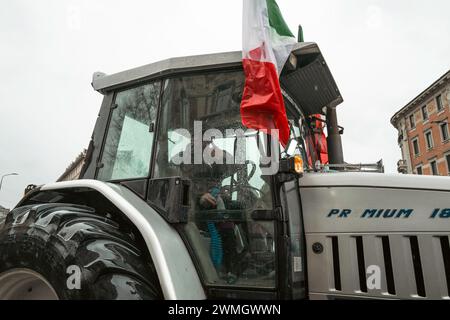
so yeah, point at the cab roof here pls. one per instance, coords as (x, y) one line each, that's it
(308, 81)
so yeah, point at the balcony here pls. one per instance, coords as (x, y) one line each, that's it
(402, 167)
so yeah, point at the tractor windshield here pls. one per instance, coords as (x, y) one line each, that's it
(201, 137)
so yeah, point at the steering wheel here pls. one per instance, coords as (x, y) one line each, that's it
(250, 175)
(252, 172)
(230, 190)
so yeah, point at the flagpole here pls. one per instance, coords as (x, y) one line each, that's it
(300, 34)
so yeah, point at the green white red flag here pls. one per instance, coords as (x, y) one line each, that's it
(267, 44)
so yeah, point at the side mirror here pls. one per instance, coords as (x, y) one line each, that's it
(291, 147)
(170, 197)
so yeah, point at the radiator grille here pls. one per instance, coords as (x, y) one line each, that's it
(411, 266)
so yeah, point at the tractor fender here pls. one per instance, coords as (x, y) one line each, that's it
(177, 274)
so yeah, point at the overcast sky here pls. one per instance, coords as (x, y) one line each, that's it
(382, 53)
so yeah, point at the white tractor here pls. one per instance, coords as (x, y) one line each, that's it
(149, 218)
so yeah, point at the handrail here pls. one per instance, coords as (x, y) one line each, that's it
(348, 167)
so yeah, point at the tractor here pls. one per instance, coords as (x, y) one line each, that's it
(178, 200)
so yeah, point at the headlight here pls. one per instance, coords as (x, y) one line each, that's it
(292, 165)
(298, 164)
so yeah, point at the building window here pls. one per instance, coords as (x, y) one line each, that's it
(444, 131)
(400, 136)
(439, 104)
(412, 121)
(429, 139)
(447, 157)
(419, 170)
(425, 113)
(434, 169)
(415, 143)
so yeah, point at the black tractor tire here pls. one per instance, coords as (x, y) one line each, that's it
(50, 239)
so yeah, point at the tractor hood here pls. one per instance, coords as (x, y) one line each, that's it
(397, 224)
(375, 203)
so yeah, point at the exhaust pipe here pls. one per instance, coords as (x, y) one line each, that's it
(334, 141)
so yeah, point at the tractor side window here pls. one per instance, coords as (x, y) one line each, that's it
(128, 146)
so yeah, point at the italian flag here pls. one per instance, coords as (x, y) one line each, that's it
(267, 44)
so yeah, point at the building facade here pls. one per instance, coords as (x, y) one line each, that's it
(423, 131)
(3, 213)
(73, 171)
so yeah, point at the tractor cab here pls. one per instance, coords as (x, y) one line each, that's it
(171, 132)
